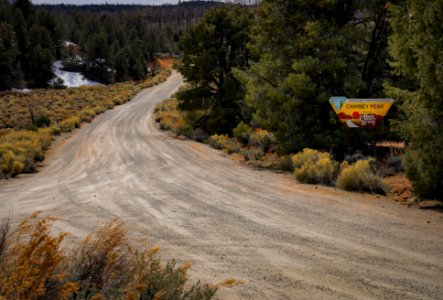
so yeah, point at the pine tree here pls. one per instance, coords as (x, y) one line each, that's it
(211, 49)
(122, 64)
(303, 53)
(40, 66)
(98, 58)
(10, 74)
(417, 50)
(40, 57)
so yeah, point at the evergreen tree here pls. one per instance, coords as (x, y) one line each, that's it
(40, 57)
(306, 51)
(22, 35)
(98, 58)
(40, 66)
(211, 49)
(5, 11)
(122, 65)
(10, 74)
(417, 50)
(25, 6)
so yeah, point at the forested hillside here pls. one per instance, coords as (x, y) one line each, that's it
(108, 43)
(30, 41)
(117, 41)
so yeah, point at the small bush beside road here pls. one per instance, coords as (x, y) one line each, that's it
(105, 265)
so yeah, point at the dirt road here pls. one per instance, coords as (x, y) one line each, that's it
(284, 240)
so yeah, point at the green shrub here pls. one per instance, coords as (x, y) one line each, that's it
(42, 121)
(361, 177)
(198, 135)
(232, 146)
(252, 154)
(218, 141)
(261, 138)
(352, 159)
(311, 166)
(242, 132)
(55, 130)
(285, 163)
(396, 163)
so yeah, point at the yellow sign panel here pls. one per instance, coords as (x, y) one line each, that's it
(360, 113)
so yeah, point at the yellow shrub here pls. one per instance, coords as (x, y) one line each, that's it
(45, 137)
(26, 145)
(10, 164)
(4, 132)
(99, 109)
(360, 177)
(69, 124)
(179, 125)
(106, 265)
(218, 141)
(32, 260)
(261, 138)
(86, 115)
(311, 166)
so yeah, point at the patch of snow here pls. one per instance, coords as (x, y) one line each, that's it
(69, 43)
(71, 79)
(25, 91)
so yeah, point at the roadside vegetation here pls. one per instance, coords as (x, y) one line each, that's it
(30, 121)
(279, 63)
(36, 264)
(257, 148)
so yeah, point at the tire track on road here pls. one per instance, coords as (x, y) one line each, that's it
(285, 240)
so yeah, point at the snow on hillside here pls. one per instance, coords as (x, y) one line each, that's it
(71, 79)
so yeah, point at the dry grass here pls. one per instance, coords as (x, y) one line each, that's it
(106, 265)
(401, 189)
(22, 143)
(167, 62)
(170, 118)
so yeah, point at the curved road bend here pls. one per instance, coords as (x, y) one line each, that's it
(284, 240)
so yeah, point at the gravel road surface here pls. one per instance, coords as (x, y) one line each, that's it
(283, 239)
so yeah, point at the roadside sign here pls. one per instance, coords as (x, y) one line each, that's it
(360, 113)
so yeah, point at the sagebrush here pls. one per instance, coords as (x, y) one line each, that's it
(312, 166)
(106, 265)
(361, 176)
(28, 121)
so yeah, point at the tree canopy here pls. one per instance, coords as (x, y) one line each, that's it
(416, 46)
(303, 53)
(29, 43)
(211, 49)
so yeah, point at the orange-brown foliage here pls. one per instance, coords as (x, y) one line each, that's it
(104, 266)
(167, 62)
(32, 263)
